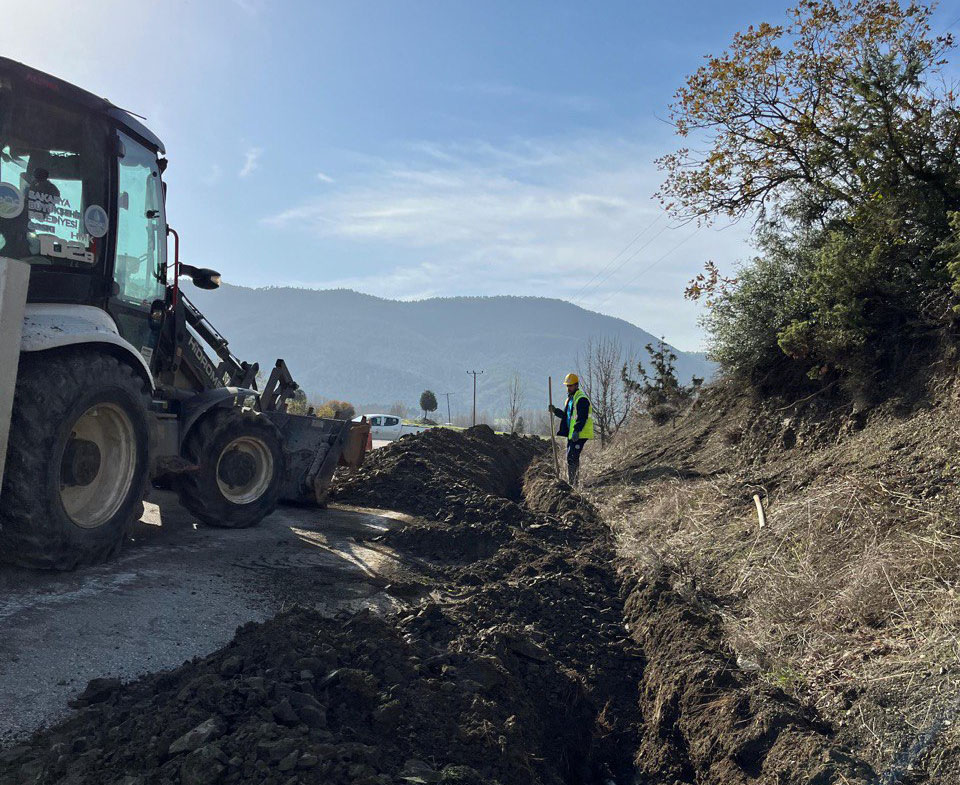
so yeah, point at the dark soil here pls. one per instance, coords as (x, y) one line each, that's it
(708, 721)
(442, 473)
(472, 480)
(516, 669)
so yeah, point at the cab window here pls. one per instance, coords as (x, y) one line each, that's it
(53, 182)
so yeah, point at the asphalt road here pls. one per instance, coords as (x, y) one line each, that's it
(178, 589)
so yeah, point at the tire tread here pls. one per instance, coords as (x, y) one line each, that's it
(47, 385)
(192, 487)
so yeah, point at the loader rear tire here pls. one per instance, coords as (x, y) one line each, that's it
(77, 459)
(240, 463)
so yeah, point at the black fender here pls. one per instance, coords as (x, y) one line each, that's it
(193, 408)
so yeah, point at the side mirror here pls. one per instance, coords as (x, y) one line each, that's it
(202, 277)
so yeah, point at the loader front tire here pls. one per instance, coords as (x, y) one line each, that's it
(240, 466)
(77, 459)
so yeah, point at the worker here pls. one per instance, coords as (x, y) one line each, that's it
(576, 424)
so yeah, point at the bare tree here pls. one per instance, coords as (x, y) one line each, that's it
(399, 408)
(516, 401)
(600, 364)
(539, 422)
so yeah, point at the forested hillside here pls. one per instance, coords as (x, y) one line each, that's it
(347, 345)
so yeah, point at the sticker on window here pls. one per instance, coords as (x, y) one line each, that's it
(11, 201)
(95, 220)
(54, 247)
(42, 196)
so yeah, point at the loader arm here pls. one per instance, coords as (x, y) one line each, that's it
(184, 348)
(234, 371)
(186, 332)
(312, 447)
(279, 388)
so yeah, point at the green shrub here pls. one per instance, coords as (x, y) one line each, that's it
(837, 131)
(747, 318)
(850, 301)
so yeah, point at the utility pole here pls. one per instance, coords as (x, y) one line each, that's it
(449, 419)
(474, 374)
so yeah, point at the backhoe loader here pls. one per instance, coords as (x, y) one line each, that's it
(110, 378)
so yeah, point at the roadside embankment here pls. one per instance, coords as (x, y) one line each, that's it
(844, 596)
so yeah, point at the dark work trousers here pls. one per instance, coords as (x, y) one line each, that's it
(574, 448)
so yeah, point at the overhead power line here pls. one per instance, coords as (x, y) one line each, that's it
(602, 270)
(950, 25)
(648, 268)
(626, 261)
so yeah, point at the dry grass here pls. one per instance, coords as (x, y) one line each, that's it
(830, 563)
(847, 598)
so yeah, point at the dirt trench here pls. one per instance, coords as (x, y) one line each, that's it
(522, 657)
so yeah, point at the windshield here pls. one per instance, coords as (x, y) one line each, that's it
(53, 182)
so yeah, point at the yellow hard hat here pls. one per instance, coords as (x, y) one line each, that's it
(571, 378)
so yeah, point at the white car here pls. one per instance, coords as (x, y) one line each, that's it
(389, 427)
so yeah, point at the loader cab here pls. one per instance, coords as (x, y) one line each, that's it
(81, 200)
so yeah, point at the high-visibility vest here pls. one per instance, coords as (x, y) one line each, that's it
(587, 431)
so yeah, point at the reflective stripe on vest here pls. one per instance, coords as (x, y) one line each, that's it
(587, 431)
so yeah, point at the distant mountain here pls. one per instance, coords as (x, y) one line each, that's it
(367, 350)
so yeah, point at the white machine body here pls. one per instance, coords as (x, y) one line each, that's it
(40, 326)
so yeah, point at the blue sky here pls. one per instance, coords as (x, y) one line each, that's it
(413, 149)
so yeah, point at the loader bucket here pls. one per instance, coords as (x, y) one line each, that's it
(313, 447)
(356, 445)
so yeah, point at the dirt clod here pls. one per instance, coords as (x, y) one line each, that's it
(204, 732)
(97, 691)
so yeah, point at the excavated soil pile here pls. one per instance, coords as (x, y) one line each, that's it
(710, 722)
(442, 472)
(306, 699)
(516, 669)
(470, 479)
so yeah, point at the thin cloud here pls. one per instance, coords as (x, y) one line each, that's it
(540, 99)
(528, 218)
(325, 178)
(251, 7)
(212, 177)
(251, 160)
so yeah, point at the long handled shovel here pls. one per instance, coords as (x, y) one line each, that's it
(553, 435)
